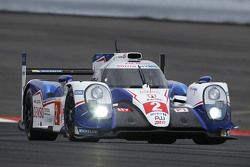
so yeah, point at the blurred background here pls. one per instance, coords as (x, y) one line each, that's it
(220, 11)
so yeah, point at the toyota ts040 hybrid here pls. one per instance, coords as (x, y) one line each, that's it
(127, 98)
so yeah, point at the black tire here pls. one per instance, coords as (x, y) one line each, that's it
(69, 110)
(31, 133)
(208, 140)
(69, 122)
(161, 140)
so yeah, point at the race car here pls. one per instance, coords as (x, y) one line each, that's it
(126, 98)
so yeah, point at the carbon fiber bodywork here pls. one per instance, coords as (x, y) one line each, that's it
(134, 125)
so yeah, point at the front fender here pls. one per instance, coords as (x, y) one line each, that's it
(83, 118)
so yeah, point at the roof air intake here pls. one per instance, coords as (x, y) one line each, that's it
(134, 55)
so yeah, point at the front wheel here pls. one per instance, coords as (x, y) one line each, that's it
(69, 119)
(34, 134)
(69, 110)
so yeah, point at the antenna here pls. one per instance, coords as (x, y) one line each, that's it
(116, 47)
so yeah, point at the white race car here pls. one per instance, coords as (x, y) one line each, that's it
(127, 98)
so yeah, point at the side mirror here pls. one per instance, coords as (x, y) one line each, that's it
(65, 78)
(205, 79)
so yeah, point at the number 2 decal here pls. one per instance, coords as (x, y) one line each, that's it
(155, 107)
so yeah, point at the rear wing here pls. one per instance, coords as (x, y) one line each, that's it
(47, 71)
(50, 71)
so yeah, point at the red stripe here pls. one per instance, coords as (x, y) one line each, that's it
(166, 94)
(199, 103)
(240, 132)
(48, 103)
(79, 103)
(134, 95)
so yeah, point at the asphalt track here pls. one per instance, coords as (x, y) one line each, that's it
(192, 50)
(16, 150)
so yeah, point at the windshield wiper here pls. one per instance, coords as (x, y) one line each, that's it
(142, 75)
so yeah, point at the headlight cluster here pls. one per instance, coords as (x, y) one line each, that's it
(99, 101)
(215, 101)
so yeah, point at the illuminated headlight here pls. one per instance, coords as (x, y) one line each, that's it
(215, 113)
(99, 101)
(215, 100)
(214, 93)
(101, 112)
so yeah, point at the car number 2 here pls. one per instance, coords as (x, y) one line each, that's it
(155, 107)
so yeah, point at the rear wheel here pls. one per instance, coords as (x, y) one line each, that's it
(208, 141)
(69, 119)
(162, 140)
(34, 134)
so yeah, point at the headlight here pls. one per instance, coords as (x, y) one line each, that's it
(215, 113)
(101, 111)
(97, 92)
(99, 101)
(215, 101)
(214, 93)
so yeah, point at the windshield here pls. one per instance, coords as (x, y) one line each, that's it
(131, 78)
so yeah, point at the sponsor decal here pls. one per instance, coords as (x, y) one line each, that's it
(78, 92)
(194, 90)
(41, 108)
(39, 112)
(160, 122)
(158, 113)
(120, 109)
(58, 113)
(152, 96)
(149, 92)
(181, 110)
(159, 118)
(155, 107)
(88, 131)
(37, 101)
(52, 71)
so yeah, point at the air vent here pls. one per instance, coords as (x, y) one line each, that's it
(134, 55)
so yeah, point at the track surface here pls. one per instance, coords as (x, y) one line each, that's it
(16, 150)
(65, 41)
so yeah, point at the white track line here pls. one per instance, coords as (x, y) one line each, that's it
(3, 120)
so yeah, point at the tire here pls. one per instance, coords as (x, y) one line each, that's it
(208, 141)
(69, 122)
(69, 110)
(31, 133)
(162, 140)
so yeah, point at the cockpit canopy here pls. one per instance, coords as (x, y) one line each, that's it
(134, 78)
